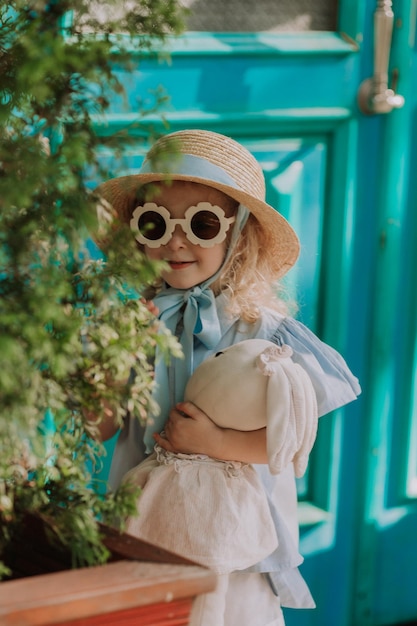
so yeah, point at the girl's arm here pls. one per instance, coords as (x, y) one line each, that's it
(105, 427)
(191, 431)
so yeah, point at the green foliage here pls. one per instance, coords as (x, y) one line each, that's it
(74, 334)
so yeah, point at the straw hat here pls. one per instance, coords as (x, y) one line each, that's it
(212, 159)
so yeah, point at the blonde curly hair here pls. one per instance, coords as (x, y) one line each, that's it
(247, 278)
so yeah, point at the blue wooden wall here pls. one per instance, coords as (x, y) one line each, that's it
(347, 183)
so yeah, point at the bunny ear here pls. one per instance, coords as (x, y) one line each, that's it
(280, 436)
(291, 417)
(268, 359)
(305, 416)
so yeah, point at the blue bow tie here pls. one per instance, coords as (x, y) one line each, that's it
(197, 306)
(195, 310)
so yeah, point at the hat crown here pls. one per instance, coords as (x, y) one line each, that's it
(219, 150)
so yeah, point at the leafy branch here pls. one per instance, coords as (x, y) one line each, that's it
(74, 333)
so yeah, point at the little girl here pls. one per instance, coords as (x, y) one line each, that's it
(203, 212)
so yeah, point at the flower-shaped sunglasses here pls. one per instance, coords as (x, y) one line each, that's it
(204, 224)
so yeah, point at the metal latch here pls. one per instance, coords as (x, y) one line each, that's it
(374, 94)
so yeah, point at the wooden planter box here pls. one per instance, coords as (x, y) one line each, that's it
(142, 585)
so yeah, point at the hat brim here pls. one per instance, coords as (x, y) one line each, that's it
(278, 235)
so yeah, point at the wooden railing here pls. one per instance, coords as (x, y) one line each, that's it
(142, 585)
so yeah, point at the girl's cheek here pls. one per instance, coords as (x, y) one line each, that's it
(151, 253)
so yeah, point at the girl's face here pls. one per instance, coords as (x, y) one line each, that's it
(189, 264)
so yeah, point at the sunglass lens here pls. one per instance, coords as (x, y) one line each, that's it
(205, 225)
(152, 225)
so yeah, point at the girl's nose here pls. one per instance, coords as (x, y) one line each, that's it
(178, 239)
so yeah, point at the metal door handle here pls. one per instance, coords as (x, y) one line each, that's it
(374, 94)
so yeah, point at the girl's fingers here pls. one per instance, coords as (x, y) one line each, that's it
(151, 306)
(163, 442)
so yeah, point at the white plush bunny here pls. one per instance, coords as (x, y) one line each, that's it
(254, 384)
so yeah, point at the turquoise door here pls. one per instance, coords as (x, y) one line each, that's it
(344, 178)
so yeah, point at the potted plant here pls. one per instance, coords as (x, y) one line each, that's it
(74, 333)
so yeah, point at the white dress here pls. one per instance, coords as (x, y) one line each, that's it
(215, 512)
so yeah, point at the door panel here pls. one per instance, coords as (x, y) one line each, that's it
(387, 521)
(343, 180)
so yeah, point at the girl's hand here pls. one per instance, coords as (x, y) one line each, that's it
(151, 306)
(190, 431)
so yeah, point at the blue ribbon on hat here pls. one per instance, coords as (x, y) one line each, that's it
(192, 166)
(198, 310)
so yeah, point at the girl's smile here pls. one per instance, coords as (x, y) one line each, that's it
(179, 265)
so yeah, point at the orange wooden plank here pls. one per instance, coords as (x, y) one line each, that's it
(98, 591)
(173, 614)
